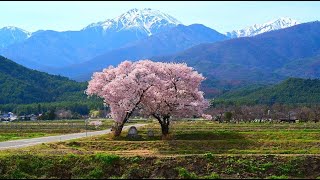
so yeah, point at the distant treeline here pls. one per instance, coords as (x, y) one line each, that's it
(80, 108)
(265, 113)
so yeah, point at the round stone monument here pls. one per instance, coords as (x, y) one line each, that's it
(133, 132)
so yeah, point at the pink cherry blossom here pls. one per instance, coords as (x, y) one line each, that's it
(161, 90)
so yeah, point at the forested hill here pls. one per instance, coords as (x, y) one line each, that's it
(290, 91)
(20, 85)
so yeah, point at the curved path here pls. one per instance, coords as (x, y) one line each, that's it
(30, 142)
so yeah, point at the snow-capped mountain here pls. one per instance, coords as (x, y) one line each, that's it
(176, 39)
(146, 20)
(57, 49)
(10, 35)
(256, 29)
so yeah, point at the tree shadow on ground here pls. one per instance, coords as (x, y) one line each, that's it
(207, 135)
(199, 142)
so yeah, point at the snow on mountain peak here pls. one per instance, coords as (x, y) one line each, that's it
(13, 28)
(147, 19)
(280, 23)
(10, 35)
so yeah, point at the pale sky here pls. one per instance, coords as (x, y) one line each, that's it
(222, 16)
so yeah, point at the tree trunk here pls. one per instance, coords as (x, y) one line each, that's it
(165, 129)
(164, 122)
(117, 129)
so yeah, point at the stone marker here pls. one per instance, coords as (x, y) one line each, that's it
(150, 133)
(133, 132)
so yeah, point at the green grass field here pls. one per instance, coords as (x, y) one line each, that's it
(22, 135)
(200, 137)
(196, 149)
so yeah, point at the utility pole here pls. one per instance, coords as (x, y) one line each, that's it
(86, 123)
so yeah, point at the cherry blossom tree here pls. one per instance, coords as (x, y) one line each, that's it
(122, 88)
(177, 94)
(161, 90)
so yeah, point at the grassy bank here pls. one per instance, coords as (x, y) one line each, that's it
(206, 166)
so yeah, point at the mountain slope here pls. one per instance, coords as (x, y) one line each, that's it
(58, 49)
(303, 67)
(166, 42)
(254, 59)
(290, 91)
(256, 29)
(21, 85)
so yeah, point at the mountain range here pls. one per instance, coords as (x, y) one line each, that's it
(49, 48)
(262, 53)
(167, 42)
(266, 58)
(281, 23)
(56, 52)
